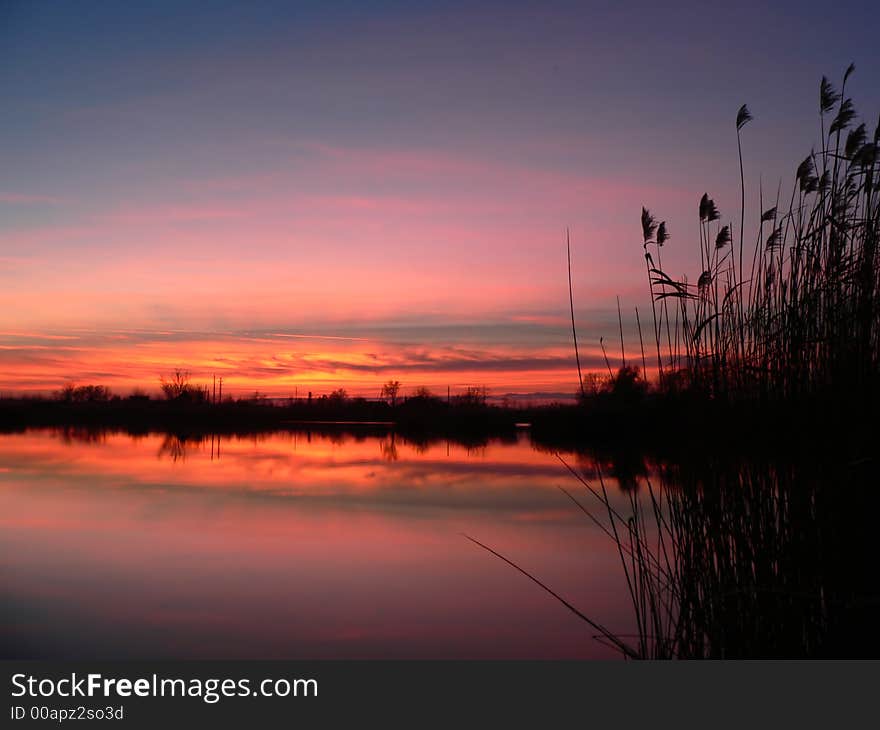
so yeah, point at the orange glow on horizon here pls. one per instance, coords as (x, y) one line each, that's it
(282, 365)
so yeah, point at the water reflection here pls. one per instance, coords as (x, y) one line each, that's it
(344, 545)
(290, 545)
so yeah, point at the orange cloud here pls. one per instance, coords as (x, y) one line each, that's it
(281, 364)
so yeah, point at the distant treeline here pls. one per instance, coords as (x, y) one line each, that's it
(636, 418)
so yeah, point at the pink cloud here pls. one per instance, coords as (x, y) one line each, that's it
(164, 214)
(348, 233)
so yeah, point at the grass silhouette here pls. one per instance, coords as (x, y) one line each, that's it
(755, 557)
(802, 316)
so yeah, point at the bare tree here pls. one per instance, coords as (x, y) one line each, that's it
(390, 391)
(180, 387)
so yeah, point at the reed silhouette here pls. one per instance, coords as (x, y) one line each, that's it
(796, 315)
(728, 554)
(725, 557)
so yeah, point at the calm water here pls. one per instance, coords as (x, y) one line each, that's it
(294, 546)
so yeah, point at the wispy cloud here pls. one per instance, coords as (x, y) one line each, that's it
(276, 363)
(169, 213)
(27, 199)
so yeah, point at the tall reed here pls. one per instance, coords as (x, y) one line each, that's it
(729, 560)
(802, 317)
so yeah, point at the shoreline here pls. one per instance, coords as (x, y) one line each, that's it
(655, 424)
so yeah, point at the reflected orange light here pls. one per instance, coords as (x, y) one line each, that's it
(292, 546)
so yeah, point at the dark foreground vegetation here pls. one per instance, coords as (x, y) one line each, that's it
(769, 557)
(759, 540)
(795, 313)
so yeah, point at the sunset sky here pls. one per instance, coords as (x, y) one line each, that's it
(306, 196)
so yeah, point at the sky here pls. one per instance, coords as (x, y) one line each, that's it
(307, 196)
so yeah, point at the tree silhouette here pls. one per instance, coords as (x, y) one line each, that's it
(179, 387)
(390, 391)
(84, 393)
(340, 395)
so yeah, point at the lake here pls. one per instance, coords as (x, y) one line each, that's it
(296, 545)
